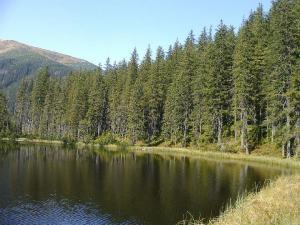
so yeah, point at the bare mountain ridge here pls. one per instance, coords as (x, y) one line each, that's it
(7, 46)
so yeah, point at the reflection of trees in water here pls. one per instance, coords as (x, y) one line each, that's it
(6, 148)
(152, 185)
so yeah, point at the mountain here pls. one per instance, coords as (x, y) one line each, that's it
(18, 60)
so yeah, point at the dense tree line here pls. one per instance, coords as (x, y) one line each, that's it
(242, 88)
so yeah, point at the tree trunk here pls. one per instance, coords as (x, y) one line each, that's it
(242, 132)
(247, 149)
(273, 132)
(267, 129)
(244, 141)
(185, 129)
(283, 150)
(288, 119)
(219, 130)
(297, 151)
(98, 129)
(288, 149)
(200, 130)
(235, 128)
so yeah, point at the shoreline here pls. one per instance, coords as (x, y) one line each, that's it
(211, 155)
(176, 151)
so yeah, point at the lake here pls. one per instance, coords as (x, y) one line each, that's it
(43, 184)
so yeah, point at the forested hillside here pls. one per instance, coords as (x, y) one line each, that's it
(18, 60)
(218, 88)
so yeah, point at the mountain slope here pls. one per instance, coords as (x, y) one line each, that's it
(18, 60)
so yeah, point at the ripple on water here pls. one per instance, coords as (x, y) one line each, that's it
(58, 212)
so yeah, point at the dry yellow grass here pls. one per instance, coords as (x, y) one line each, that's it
(37, 141)
(276, 204)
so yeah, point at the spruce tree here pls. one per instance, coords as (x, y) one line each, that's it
(117, 101)
(221, 82)
(283, 55)
(132, 74)
(138, 107)
(200, 93)
(4, 116)
(38, 96)
(23, 106)
(248, 77)
(77, 97)
(136, 118)
(97, 104)
(47, 117)
(155, 94)
(179, 99)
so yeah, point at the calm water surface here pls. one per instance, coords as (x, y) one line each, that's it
(54, 185)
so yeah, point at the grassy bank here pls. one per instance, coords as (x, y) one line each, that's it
(277, 203)
(37, 141)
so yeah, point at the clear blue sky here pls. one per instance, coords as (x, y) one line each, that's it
(97, 29)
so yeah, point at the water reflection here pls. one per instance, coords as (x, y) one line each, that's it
(49, 185)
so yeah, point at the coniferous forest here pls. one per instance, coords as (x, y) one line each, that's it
(218, 87)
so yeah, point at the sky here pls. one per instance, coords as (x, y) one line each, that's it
(96, 29)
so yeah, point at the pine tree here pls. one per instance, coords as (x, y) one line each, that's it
(221, 81)
(179, 99)
(199, 86)
(282, 60)
(136, 119)
(248, 76)
(46, 122)
(117, 102)
(132, 74)
(23, 106)
(97, 104)
(4, 116)
(77, 106)
(38, 96)
(155, 94)
(58, 123)
(138, 107)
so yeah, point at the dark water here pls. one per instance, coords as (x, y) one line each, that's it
(52, 185)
